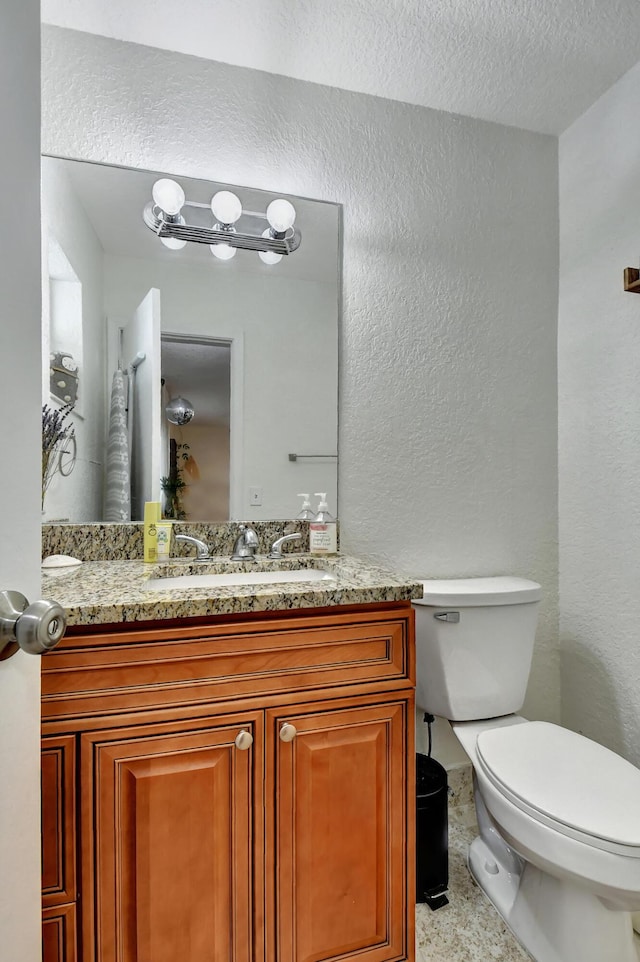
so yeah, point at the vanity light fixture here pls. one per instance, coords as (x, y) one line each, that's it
(231, 228)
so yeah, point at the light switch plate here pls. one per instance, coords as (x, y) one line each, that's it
(255, 497)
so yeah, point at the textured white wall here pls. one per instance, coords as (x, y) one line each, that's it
(599, 395)
(78, 497)
(448, 408)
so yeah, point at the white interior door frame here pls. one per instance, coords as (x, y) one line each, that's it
(236, 429)
(20, 434)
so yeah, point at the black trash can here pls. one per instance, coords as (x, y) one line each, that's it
(432, 832)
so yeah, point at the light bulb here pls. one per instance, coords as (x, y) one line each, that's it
(223, 252)
(269, 257)
(281, 215)
(168, 195)
(175, 243)
(226, 207)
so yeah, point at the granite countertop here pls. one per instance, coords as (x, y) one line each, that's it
(109, 592)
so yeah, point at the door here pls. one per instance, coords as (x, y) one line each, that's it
(140, 356)
(337, 841)
(168, 836)
(20, 426)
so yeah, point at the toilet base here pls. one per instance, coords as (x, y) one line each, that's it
(554, 919)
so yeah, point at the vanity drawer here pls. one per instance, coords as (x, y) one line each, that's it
(153, 667)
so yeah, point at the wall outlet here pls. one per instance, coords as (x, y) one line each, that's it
(255, 497)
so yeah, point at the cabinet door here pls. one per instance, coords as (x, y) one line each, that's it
(59, 934)
(58, 764)
(337, 843)
(168, 830)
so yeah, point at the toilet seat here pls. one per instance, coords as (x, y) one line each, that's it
(566, 781)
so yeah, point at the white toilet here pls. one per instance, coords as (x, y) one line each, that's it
(559, 815)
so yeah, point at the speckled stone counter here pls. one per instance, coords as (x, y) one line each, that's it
(109, 592)
(105, 541)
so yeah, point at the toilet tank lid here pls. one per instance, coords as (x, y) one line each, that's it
(479, 592)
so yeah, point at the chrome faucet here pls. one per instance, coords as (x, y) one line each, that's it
(246, 544)
(276, 547)
(202, 549)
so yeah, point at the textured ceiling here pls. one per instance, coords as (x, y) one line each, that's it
(536, 64)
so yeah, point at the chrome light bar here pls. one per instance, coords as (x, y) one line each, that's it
(165, 225)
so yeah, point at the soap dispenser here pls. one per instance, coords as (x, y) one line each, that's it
(323, 531)
(306, 514)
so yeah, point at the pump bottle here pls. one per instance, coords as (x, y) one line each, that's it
(323, 533)
(306, 514)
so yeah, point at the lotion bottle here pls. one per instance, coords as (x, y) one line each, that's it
(323, 531)
(163, 540)
(151, 518)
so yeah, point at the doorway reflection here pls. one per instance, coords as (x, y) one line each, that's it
(197, 462)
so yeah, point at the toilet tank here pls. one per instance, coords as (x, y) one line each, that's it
(474, 643)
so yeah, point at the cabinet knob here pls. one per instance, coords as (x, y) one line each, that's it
(244, 740)
(287, 732)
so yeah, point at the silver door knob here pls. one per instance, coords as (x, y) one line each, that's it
(35, 628)
(287, 732)
(243, 740)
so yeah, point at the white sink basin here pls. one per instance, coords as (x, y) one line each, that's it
(235, 578)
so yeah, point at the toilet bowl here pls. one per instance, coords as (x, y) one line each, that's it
(558, 851)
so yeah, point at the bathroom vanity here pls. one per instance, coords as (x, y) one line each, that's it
(234, 785)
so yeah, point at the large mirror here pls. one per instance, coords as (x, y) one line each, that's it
(132, 327)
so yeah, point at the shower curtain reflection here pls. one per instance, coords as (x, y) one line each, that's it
(117, 502)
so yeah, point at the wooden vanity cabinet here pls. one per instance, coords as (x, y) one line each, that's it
(58, 780)
(237, 790)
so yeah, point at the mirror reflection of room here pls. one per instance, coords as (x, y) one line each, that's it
(195, 479)
(252, 345)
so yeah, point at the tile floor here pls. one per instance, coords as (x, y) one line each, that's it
(468, 929)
